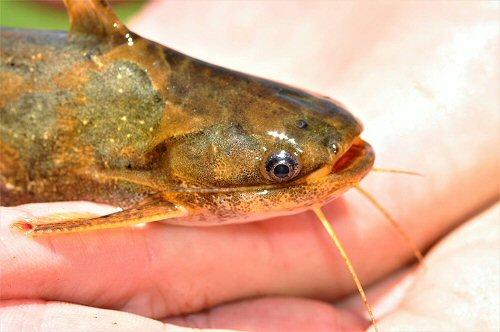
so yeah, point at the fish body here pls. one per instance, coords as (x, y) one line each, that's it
(104, 115)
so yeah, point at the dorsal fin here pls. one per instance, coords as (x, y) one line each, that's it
(96, 18)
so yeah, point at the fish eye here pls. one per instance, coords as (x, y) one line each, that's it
(282, 166)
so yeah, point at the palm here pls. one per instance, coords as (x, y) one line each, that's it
(278, 274)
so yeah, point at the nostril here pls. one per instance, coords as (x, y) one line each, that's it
(302, 124)
(334, 147)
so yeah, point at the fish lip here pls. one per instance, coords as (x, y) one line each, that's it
(356, 162)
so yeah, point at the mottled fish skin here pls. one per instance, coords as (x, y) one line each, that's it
(104, 115)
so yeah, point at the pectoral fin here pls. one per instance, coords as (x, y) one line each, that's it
(96, 18)
(153, 209)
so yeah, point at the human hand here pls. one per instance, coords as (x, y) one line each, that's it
(414, 81)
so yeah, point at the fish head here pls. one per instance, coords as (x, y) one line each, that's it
(285, 151)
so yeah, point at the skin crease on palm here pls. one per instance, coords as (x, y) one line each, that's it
(424, 79)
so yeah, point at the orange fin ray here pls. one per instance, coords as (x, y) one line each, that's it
(96, 18)
(150, 211)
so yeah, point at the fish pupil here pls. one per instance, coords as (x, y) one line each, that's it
(281, 166)
(281, 171)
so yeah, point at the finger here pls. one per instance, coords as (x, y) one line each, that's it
(269, 314)
(63, 317)
(460, 289)
(275, 314)
(324, 314)
(171, 269)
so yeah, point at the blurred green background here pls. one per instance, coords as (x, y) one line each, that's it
(51, 15)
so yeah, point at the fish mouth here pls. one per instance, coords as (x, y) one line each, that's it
(352, 167)
(360, 157)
